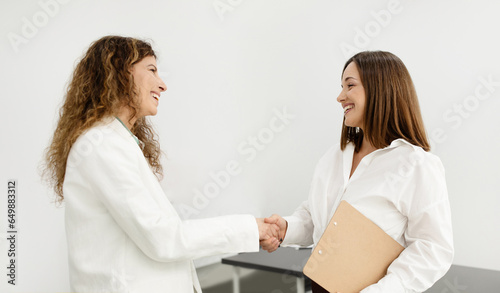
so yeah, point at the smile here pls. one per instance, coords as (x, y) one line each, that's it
(347, 108)
(155, 96)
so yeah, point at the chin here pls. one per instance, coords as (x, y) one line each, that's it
(351, 124)
(153, 112)
(348, 124)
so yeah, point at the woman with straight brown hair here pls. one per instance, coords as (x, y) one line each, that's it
(383, 168)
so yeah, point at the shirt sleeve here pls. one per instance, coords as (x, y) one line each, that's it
(111, 170)
(429, 236)
(300, 227)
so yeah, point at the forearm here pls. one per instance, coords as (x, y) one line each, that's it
(428, 256)
(299, 230)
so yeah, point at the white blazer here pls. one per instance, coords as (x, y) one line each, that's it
(402, 189)
(123, 233)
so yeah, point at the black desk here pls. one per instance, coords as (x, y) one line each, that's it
(461, 279)
(290, 261)
(285, 260)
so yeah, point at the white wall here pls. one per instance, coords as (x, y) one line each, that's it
(227, 74)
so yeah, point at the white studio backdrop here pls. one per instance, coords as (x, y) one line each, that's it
(251, 105)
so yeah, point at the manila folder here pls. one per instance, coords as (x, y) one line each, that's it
(352, 253)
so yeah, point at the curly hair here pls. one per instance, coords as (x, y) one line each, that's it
(100, 86)
(392, 110)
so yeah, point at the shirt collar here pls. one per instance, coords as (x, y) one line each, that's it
(368, 158)
(135, 137)
(397, 142)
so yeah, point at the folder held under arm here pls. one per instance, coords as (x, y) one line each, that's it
(352, 253)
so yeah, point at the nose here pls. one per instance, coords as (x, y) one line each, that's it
(341, 97)
(162, 85)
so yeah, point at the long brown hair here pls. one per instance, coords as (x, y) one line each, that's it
(392, 110)
(101, 84)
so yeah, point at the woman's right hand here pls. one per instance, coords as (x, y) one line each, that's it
(282, 224)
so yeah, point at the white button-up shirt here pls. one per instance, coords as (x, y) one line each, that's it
(402, 189)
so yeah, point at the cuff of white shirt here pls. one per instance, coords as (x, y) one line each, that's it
(293, 234)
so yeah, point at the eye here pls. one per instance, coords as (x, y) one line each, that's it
(350, 85)
(153, 70)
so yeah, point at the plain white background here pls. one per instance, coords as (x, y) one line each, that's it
(229, 66)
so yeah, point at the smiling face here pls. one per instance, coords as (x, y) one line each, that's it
(352, 97)
(149, 86)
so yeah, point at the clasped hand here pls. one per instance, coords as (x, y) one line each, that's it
(272, 231)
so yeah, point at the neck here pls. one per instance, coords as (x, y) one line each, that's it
(124, 116)
(366, 147)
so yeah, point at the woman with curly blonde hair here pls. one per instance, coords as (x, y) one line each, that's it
(100, 86)
(103, 162)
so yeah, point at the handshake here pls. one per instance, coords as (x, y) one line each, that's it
(272, 231)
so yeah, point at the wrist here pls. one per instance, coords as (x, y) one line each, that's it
(284, 234)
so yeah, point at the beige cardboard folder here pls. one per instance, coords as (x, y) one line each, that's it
(352, 254)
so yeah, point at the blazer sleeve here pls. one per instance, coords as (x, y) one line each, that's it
(111, 170)
(429, 234)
